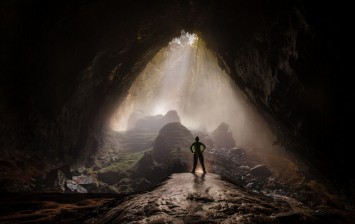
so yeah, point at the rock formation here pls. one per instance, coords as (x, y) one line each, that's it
(155, 123)
(222, 137)
(171, 137)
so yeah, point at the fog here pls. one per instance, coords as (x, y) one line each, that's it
(185, 76)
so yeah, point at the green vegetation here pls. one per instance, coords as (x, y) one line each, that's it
(126, 161)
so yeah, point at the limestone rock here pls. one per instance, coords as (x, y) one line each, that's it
(155, 123)
(171, 136)
(82, 179)
(55, 179)
(109, 177)
(141, 184)
(260, 171)
(72, 186)
(133, 118)
(136, 140)
(147, 168)
(178, 165)
(222, 137)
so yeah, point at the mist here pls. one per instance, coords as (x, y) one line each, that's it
(185, 76)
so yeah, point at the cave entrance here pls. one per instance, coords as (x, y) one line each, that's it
(183, 82)
(185, 77)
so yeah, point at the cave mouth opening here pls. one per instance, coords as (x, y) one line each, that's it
(185, 77)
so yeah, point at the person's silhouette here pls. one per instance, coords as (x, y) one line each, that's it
(197, 149)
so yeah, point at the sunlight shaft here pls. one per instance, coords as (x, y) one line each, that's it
(185, 76)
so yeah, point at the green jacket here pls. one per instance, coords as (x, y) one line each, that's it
(197, 147)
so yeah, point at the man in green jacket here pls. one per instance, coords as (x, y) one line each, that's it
(197, 149)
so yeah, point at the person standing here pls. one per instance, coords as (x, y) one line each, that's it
(197, 149)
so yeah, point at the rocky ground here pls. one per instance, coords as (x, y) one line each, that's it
(150, 170)
(198, 198)
(182, 198)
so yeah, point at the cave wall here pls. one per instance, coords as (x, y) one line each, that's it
(65, 66)
(292, 60)
(63, 63)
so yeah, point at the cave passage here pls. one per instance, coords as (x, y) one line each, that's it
(185, 77)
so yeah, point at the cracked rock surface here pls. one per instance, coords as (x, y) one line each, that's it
(198, 198)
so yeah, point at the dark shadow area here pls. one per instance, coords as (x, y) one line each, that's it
(54, 208)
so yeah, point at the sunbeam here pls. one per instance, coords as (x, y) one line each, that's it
(185, 76)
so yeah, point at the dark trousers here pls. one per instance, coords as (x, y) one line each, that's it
(198, 156)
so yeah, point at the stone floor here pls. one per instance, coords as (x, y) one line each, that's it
(198, 198)
(183, 198)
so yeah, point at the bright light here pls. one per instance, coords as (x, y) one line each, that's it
(185, 76)
(192, 38)
(185, 38)
(198, 170)
(160, 109)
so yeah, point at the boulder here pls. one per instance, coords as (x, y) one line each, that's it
(171, 136)
(178, 165)
(55, 179)
(71, 186)
(133, 118)
(82, 179)
(260, 171)
(109, 177)
(147, 168)
(171, 116)
(141, 184)
(222, 137)
(155, 123)
(125, 189)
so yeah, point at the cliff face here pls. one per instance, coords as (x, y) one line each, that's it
(65, 67)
